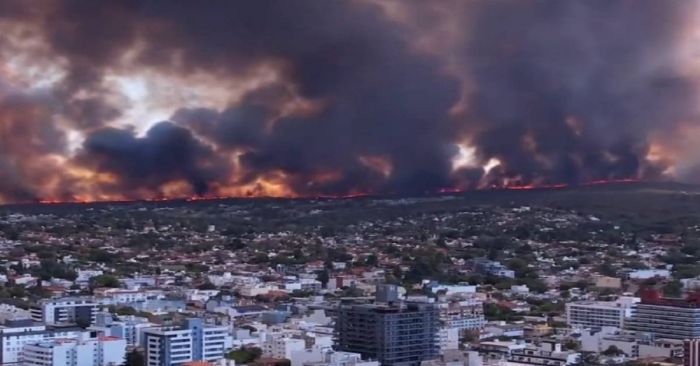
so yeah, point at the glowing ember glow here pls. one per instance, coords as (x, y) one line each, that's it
(267, 189)
(379, 164)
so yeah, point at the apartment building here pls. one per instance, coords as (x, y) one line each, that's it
(666, 317)
(281, 346)
(16, 334)
(519, 353)
(462, 314)
(66, 310)
(596, 314)
(391, 332)
(194, 341)
(102, 351)
(633, 344)
(128, 327)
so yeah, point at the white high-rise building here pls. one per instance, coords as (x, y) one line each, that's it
(14, 335)
(195, 341)
(130, 328)
(102, 351)
(66, 310)
(597, 314)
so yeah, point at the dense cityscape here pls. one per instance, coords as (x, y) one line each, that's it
(468, 279)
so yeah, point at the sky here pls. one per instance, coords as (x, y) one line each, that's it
(152, 99)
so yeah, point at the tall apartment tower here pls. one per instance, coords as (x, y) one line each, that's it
(391, 332)
(194, 341)
(67, 310)
(666, 317)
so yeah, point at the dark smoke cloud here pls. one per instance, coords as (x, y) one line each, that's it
(561, 91)
(570, 91)
(381, 98)
(28, 137)
(167, 153)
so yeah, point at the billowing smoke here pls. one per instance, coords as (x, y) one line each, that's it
(29, 140)
(334, 98)
(572, 91)
(167, 153)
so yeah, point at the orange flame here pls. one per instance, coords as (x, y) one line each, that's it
(351, 195)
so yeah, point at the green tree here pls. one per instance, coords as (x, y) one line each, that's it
(323, 277)
(235, 244)
(135, 358)
(686, 271)
(536, 285)
(571, 344)
(125, 310)
(518, 265)
(104, 280)
(244, 355)
(496, 312)
(207, 286)
(612, 351)
(673, 289)
(371, 260)
(607, 269)
(100, 256)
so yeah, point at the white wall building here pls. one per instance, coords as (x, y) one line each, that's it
(116, 296)
(448, 338)
(14, 337)
(195, 341)
(201, 295)
(453, 289)
(66, 310)
(634, 345)
(130, 328)
(281, 346)
(103, 351)
(645, 274)
(303, 284)
(462, 314)
(337, 358)
(592, 314)
(255, 290)
(515, 353)
(84, 275)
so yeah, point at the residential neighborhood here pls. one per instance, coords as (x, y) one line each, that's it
(312, 283)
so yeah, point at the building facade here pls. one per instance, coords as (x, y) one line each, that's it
(597, 314)
(392, 333)
(64, 311)
(462, 314)
(666, 318)
(128, 327)
(691, 352)
(102, 351)
(194, 341)
(281, 346)
(14, 335)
